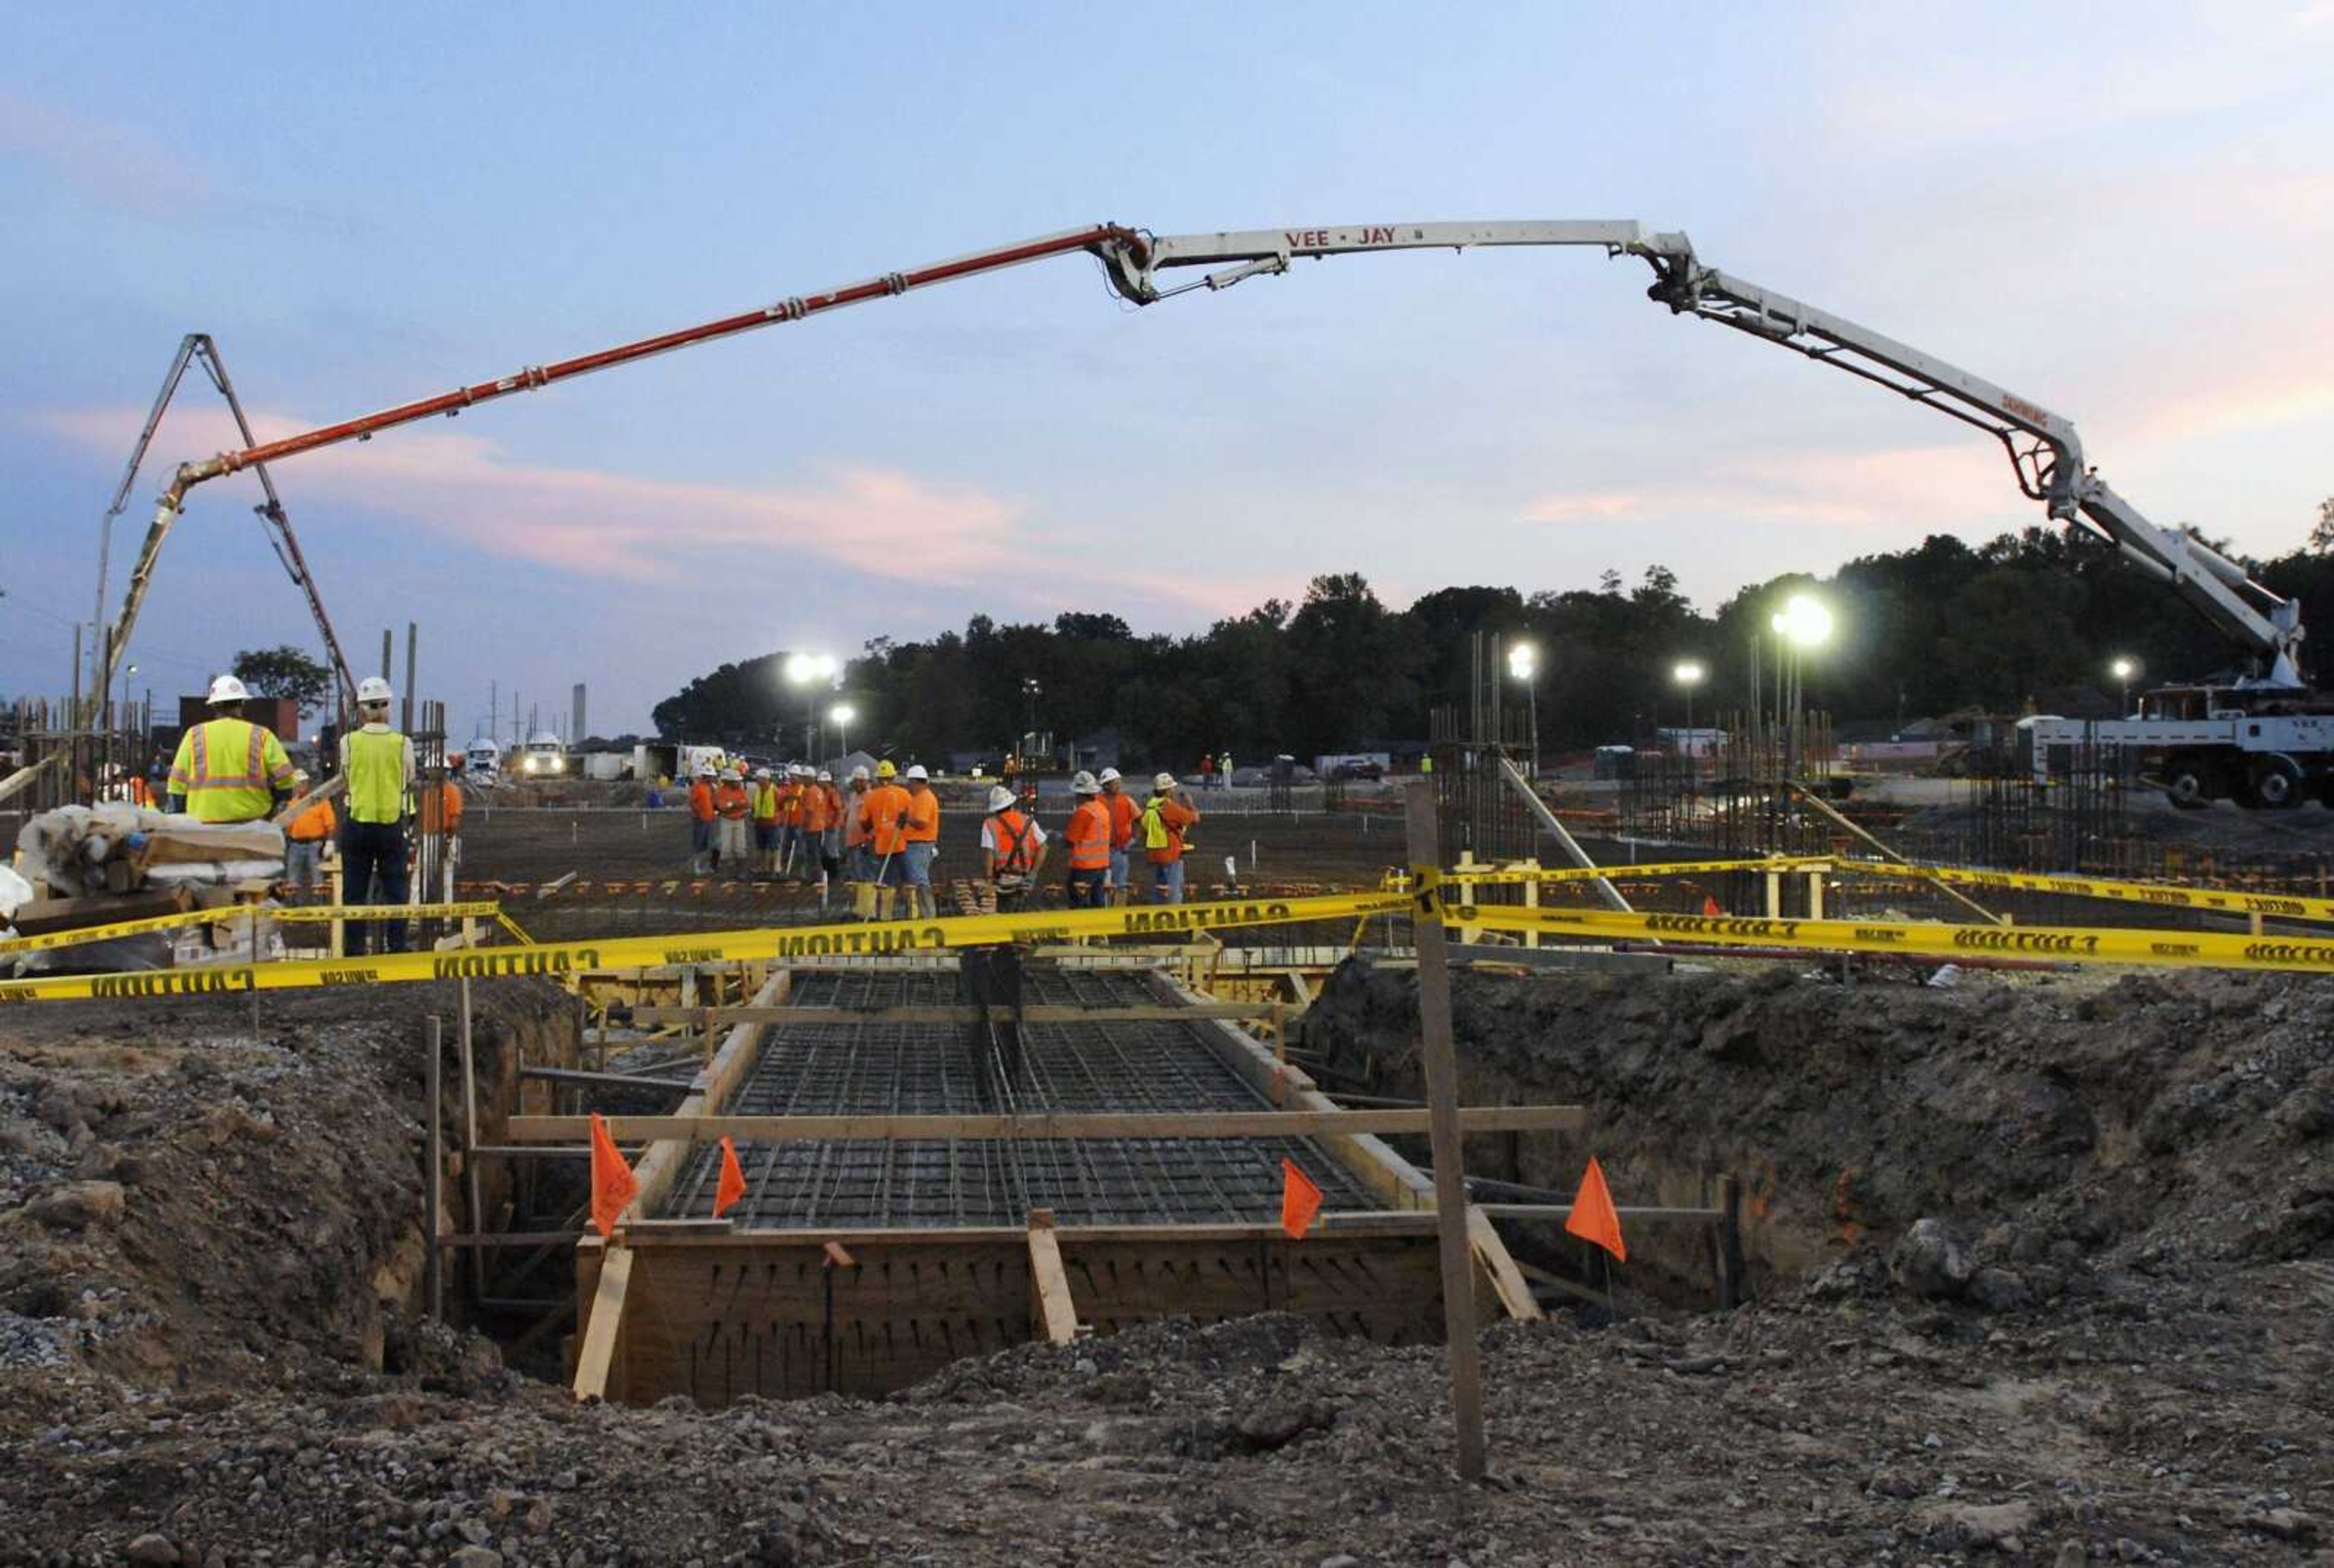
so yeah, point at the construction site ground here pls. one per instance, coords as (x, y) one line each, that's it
(2106, 1344)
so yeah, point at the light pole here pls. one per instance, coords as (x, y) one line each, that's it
(1802, 623)
(1523, 663)
(2123, 670)
(806, 670)
(1688, 673)
(843, 713)
(1030, 693)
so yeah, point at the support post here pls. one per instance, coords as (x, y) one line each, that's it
(1442, 1070)
(470, 1148)
(433, 1184)
(1609, 895)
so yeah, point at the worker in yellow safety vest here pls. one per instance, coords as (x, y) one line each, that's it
(379, 764)
(229, 769)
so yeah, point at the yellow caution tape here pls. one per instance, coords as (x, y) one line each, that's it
(841, 940)
(2154, 895)
(2180, 949)
(241, 914)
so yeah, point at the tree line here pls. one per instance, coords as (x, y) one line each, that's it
(1940, 628)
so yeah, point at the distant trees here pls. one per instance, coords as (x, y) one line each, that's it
(1923, 631)
(284, 671)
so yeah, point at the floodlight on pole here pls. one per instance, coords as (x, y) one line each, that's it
(843, 713)
(1523, 664)
(806, 670)
(1688, 673)
(2123, 670)
(1804, 622)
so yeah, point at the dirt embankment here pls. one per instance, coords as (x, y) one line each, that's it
(2172, 1125)
(193, 1202)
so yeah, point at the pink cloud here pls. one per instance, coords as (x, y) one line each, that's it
(1941, 487)
(881, 522)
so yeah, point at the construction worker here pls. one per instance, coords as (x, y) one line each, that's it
(441, 814)
(377, 763)
(229, 769)
(885, 814)
(1088, 836)
(923, 839)
(1207, 770)
(811, 819)
(1224, 772)
(858, 865)
(1165, 815)
(763, 801)
(1012, 849)
(830, 843)
(1123, 814)
(306, 837)
(700, 820)
(730, 808)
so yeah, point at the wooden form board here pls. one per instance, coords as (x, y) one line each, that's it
(1058, 1313)
(685, 1125)
(719, 1321)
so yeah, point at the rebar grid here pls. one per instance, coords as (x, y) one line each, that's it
(930, 1069)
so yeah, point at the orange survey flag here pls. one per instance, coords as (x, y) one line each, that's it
(1709, 905)
(612, 1184)
(1301, 1201)
(732, 1185)
(1594, 1218)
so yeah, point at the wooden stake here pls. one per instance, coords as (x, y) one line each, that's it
(434, 1182)
(1439, 1060)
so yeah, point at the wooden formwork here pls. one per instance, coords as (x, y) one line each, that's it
(715, 1314)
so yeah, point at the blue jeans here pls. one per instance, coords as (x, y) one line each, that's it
(1086, 889)
(1167, 881)
(920, 856)
(1118, 869)
(302, 863)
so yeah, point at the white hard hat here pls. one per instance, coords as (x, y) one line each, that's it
(299, 776)
(761, 773)
(860, 773)
(825, 776)
(999, 798)
(1082, 782)
(916, 771)
(371, 688)
(1165, 781)
(1108, 775)
(705, 770)
(227, 688)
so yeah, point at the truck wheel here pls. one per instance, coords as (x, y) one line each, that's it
(2275, 784)
(2188, 785)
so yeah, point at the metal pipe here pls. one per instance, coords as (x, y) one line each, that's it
(434, 1182)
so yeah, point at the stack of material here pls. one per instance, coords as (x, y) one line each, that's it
(84, 851)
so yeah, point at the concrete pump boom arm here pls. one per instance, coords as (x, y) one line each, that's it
(2044, 450)
(2043, 447)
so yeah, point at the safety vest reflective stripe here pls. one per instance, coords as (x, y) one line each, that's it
(766, 802)
(1089, 837)
(229, 797)
(1010, 829)
(376, 776)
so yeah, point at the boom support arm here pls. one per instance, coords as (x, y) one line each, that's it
(2044, 450)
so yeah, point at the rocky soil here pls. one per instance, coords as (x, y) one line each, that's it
(2068, 1307)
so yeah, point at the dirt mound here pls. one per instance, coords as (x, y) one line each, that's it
(190, 1202)
(2175, 1126)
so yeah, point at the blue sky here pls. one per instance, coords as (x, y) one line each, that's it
(2121, 212)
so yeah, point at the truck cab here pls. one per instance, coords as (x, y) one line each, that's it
(543, 757)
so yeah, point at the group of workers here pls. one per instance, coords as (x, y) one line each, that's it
(228, 769)
(879, 834)
(1101, 838)
(793, 823)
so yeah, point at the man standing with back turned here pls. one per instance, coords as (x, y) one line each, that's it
(229, 769)
(377, 763)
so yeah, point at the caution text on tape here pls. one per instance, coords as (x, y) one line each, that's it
(763, 944)
(242, 914)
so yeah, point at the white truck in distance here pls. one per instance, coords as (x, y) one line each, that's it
(2264, 747)
(543, 756)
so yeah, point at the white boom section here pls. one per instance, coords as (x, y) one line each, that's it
(2044, 450)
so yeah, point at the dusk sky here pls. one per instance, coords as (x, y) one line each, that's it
(2121, 212)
